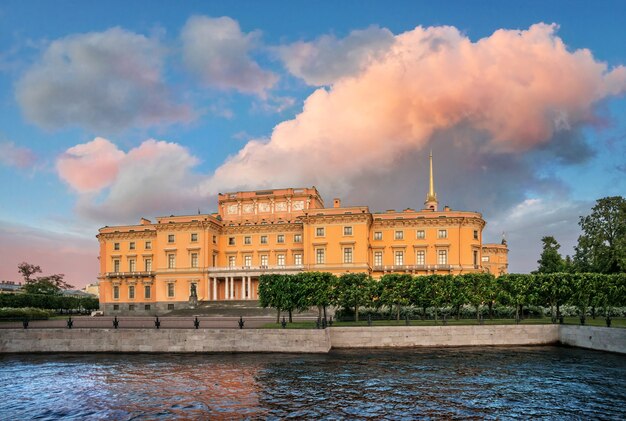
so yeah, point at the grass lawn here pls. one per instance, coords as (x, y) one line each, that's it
(598, 321)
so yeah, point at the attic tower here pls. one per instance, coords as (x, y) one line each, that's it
(431, 198)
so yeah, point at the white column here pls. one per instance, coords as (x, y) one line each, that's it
(251, 293)
(227, 288)
(232, 287)
(249, 287)
(243, 288)
(215, 288)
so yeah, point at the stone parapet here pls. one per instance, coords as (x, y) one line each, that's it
(591, 337)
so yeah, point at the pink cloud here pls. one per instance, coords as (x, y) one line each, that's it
(91, 166)
(519, 88)
(15, 156)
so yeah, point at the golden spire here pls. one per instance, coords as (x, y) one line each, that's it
(431, 198)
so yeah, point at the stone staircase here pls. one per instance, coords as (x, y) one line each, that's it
(234, 308)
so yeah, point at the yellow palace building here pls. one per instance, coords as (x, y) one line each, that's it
(152, 267)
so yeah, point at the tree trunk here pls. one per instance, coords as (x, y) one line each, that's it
(290, 316)
(319, 312)
(436, 314)
(478, 312)
(521, 311)
(516, 312)
(593, 312)
(490, 310)
(356, 313)
(558, 310)
(398, 313)
(278, 315)
(458, 311)
(423, 312)
(324, 311)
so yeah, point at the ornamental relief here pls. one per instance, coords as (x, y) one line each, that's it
(127, 235)
(248, 208)
(251, 229)
(298, 205)
(232, 209)
(280, 207)
(264, 207)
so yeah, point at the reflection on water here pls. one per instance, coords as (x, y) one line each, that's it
(527, 382)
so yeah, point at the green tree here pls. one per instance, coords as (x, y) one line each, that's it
(602, 246)
(395, 290)
(270, 292)
(46, 285)
(554, 289)
(320, 289)
(550, 260)
(353, 291)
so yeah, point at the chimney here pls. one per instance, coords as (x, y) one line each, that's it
(145, 221)
(446, 208)
(336, 202)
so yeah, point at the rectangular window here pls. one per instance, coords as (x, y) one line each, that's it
(116, 292)
(475, 258)
(319, 256)
(443, 234)
(442, 257)
(116, 246)
(399, 235)
(148, 265)
(170, 238)
(171, 261)
(116, 307)
(475, 234)
(485, 258)
(297, 259)
(347, 255)
(131, 246)
(378, 258)
(280, 259)
(131, 265)
(146, 307)
(399, 258)
(170, 306)
(421, 234)
(264, 260)
(146, 291)
(194, 237)
(347, 230)
(131, 291)
(215, 239)
(116, 265)
(264, 239)
(319, 232)
(148, 245)
(194, 260)
(231, 241)
(378, 235)
(214, 260)
(247, 240)
(297, 238)
(170, 290)
(280, 238)
(247, 260)
(420, 258)
(131, 307)
(231, 261)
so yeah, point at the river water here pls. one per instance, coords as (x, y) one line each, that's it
(479, 383)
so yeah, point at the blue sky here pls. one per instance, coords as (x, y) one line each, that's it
(213, 105)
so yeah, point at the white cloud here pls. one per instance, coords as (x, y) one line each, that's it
(327, 59)
(105, 81)
(12, 155)
(218, 53)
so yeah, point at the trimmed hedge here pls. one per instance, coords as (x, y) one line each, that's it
(50, 302)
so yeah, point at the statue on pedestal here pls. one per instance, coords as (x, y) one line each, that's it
(193, 297)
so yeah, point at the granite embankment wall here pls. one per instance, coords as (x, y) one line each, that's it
(304, 340)
(600, 338)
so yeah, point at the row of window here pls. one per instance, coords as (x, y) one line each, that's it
(131, 307)
(132, 245)
(264, 258)
(171, 263)
(420, 258)
(147, 291)
(280, 239)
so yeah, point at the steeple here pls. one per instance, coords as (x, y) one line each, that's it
(431, 198)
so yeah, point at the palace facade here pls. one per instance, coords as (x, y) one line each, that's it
(150, 268)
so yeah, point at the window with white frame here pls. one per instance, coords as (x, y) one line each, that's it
(319, 256)
(399, 235)
(194, 260)
(347, 230)
(116, 292)
(378, 258)
(131, 245)
(442, 234)
(170, 290)
(116, 265)
(264, 239)
(171, 261)
(442, 257)
(297, 259)
(231, 261)
(231, 241)
(247, 240)
(319, 232)
(475, 234)
(264, 260)
(247, 260)
(399, 258)
(280, 238)
(147, 291)
(194, 237)
(148, 245)
(170, 238)
(378, 235)
(347, 255)
(421, 234)
(131, 292)
(475, 257)
(280, 260)
(148, 265)
(116, 246)
(297, 238)
(131, 265)
(420, 258)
